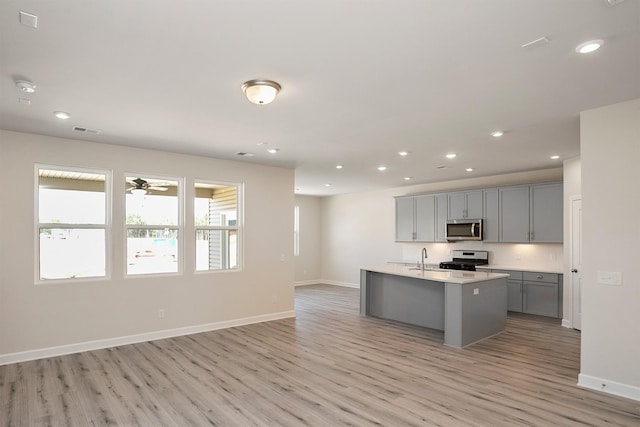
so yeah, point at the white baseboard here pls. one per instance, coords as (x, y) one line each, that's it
(307, 282)
(42, 353)
(608, 386)
(345, 284)
(567, 323)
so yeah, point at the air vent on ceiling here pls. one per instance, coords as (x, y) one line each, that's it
(535, 43)
(87, 130)
(442, 167)
(242, 153)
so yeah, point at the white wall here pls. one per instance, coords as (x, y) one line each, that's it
(610, 155)
(572, 188)
(308, 263)
(358, 230)
(35, 317)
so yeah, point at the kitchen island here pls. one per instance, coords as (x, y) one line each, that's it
(468, 306)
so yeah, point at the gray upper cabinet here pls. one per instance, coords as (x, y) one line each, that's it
(514, 214)
(531, 213)
(405, 212)
(467, 204)
(425, 218)
(491, 218)
(441, 217)
(546, 213)
(416, 219)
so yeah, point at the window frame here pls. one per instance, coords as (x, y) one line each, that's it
(239, 227)
(179, 227)
(106, 227)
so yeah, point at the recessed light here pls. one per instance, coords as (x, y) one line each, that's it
(469, 169)
(25, 86)
(382, 168)
(273, 150)
(339, 166)
(497, 133)
(554, 157)
(408, 178)
(451, 156)
(590, 46)
(327, 185)
(62, 115)
(403, 153)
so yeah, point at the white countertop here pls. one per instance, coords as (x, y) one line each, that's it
(436, 275)
(518, 268)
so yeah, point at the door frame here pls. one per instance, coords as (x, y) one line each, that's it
(576, 319)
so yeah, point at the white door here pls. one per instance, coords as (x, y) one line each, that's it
(576, 260)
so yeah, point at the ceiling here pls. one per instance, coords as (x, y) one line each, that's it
(361, 81)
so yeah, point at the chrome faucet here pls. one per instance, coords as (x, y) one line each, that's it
(424, 255)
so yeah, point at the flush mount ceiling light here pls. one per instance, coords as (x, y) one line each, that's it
(25, 86)
(62, 115)
(261, 91)
(590, 46)
(497, 133)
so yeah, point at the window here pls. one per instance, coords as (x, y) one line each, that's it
(72, 223)
(217, 223)
(153, 225)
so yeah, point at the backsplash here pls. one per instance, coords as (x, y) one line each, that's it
(542, 256)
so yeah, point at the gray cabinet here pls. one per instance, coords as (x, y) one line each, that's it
(466, 204)
(441, 217)
(534, 292)
(546, 213)
(491, 218)
(531, 213)
(514, 214)
(417, 217)
(514, 289)
(425, 218)
(405, 213)
(541, 293)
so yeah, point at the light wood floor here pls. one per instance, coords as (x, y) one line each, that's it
(327, 367)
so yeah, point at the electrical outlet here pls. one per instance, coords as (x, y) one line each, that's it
(274, 299)
(476, 291)
(161, 313)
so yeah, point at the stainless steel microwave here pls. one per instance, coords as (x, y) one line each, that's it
(464, 229)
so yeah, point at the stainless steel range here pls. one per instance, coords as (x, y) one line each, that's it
(466, 260)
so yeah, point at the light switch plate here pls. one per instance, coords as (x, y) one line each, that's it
(610, 278)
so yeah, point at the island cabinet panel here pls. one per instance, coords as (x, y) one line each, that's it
(491, 218)
(465, 205)
(546, 213)
(514, 214)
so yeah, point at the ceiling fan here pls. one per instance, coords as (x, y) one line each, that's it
(140, 186)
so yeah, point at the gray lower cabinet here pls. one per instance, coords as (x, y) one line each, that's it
(534, 293)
